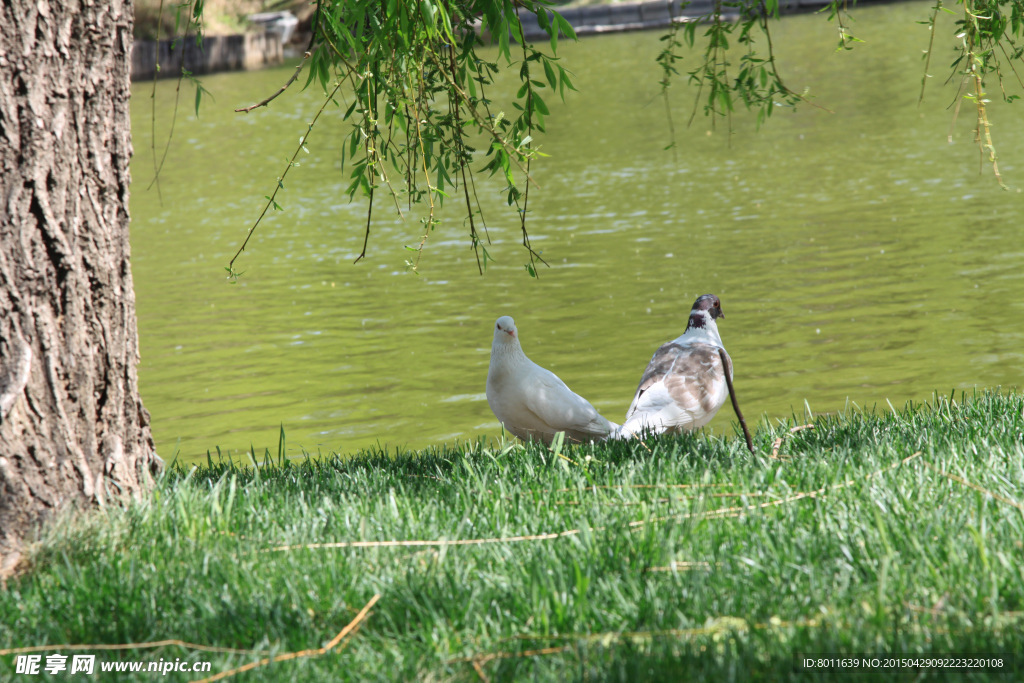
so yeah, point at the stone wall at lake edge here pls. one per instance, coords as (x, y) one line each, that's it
(218, 53)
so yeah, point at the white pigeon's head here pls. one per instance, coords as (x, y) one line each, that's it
(505, 330)
(705, 310)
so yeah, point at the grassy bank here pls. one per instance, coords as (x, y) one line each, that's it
(687, 558)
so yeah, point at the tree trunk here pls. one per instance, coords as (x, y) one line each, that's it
(72, 427)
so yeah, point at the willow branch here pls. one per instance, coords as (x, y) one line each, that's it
(306, 56)
(280, 181)
(152, 103)
(928, 54)
(177, 97)
(775, 69)
(514, 153)
(280, 90)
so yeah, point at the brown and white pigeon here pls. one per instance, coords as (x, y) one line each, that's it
(532, 402)
(684, 384)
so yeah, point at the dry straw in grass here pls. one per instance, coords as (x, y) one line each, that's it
(316, 652)
(718, 625)
(352, 625)
(981, 489)
(128, 646)
(738, 510)
(778, 442)
(710, 514)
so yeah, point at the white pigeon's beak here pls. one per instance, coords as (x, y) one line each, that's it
(511, 333)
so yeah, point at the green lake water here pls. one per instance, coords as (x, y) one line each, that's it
(859, 256)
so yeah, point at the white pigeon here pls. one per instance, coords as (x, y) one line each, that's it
(684, 384)
(533, 403)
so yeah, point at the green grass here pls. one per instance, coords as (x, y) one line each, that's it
(848, 546)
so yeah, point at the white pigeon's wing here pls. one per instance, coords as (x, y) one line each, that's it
(681, 389)
(561, 410)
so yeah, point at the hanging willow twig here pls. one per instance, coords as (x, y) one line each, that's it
(417, 83)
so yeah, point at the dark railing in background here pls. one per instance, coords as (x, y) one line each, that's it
(257, 50)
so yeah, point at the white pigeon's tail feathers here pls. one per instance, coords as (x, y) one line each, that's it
(614, 432)
(598, 428)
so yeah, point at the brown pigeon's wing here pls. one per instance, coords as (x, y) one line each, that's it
(662, 362)
(682, 388)
(697, 383)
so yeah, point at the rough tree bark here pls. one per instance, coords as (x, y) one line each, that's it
(73, 430)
